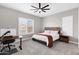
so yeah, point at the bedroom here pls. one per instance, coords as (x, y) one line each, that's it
(17, 16)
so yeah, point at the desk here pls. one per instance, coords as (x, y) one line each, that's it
(17, 37)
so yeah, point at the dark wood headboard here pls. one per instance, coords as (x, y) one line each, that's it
(53, 28)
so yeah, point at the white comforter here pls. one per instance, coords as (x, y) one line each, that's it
(44, 38)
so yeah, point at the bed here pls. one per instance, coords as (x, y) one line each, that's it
(48, 37)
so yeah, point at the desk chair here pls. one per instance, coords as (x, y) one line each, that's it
(7, 40)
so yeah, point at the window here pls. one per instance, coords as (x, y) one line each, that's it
(67, 25)
(26, 26)
(4, 30)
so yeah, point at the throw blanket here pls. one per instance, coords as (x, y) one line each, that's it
(50, 40)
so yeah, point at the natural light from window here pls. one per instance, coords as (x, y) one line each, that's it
(25, 26)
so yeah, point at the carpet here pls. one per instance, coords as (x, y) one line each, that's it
(59, 48)
(6, 52)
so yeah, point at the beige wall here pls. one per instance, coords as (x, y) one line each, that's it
(9, 19)
(56, 20)
(52, 21)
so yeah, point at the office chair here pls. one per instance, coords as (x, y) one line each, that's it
(7, 40)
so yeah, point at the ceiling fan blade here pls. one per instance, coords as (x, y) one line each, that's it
(43, 10)
(45, 6)
(34, 7)
(46, 9)
(39, 5)
(36, 10)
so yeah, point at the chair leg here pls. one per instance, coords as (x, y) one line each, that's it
(6, 47)
(9, 47)
(3, 48)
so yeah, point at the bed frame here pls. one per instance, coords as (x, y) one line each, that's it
(48, 28)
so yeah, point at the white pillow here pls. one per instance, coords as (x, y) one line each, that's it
(54, 32)
(47, 31)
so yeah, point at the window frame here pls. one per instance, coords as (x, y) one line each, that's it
(26, 25)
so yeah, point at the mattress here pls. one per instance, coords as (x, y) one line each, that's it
(44, 38)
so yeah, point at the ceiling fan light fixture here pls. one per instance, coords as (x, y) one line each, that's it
(40, 9)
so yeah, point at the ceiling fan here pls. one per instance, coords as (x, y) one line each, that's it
(39, 9)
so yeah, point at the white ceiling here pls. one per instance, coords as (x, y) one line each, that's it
(54, 7)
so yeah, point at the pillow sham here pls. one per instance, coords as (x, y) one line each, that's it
(54, 32)
(47, 31)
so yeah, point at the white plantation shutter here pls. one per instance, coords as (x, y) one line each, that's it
(67, 25)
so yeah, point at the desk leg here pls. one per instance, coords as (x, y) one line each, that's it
(20, 44)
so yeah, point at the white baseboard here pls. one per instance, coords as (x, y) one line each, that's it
(17, 40)
(73, 42)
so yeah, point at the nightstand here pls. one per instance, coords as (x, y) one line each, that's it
(64, 38)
